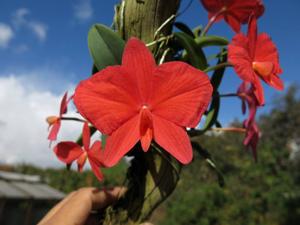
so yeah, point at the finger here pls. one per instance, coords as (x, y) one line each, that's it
(102, 199)
(56, 208)
(77, 209)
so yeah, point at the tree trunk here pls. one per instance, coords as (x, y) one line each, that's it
(152, 176)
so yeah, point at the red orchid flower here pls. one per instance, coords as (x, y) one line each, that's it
(55, 121)
(68, 151)
(246, 93)
(142, 101)
(255, 56)
(234, 12)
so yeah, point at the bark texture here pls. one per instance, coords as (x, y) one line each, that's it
(152, 176)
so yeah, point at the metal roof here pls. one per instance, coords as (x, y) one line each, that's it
(20, 186)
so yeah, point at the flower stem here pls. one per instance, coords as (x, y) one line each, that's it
(73, 119)
(195, 133)
(212, 21)
(229, 129)
(217, 67)
(226, 95)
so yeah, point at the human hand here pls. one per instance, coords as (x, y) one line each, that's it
(76, 208)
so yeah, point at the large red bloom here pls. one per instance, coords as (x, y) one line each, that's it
(234, 12)
(141, 101)
(68, 151)
(255, 56)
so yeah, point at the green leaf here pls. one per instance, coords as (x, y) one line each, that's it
(221, 179)
(219, 73)
(197, 31)
(218, 124)
(208, 158)
(195, 54)
(211, 40)
(217, 56)
(94, 69)
(213, 113)
(184, 28)
(106, 46)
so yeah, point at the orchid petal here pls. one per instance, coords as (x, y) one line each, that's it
(252, 36)
(86, 136)
(267, 51)
(173, 139)
(259, 92)
(121, 141)
(234, 23)
(182, 93)
(276, 83)
(67, 151)
(81, 161)
(54, 130)
(139, 63)
(96, 153)
(238, 55)
(104, 101)
(63, 105)
(146, 129)
(96, 169)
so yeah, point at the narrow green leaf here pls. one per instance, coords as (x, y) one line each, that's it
(217, 56)
(106, 46)
(205, 41)
(218, 124)
(197, 31)
(94, 69)
(184, 28)
(212, 114)
(217, 76)
(208, 158)
(221, 179)
(195, 54)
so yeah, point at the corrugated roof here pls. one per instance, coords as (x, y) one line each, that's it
(18, 176)
(20, 186)
(9, 191)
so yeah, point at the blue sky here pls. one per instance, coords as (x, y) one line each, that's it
(43, 48)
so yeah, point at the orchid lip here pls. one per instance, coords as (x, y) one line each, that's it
(52, 119)
(263, 68)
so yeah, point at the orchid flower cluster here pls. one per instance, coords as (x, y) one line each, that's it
(140, 102)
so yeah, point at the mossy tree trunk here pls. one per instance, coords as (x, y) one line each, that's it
(152, 176)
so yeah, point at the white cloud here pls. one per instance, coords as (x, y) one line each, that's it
(6, 34)
(38, 28)
(83, 10)
(19, 16)
(23, 133)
